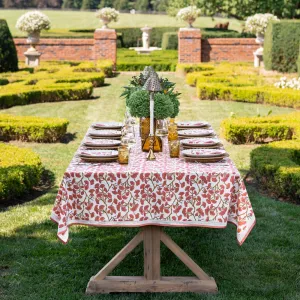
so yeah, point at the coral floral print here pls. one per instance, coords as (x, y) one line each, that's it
(165, 192)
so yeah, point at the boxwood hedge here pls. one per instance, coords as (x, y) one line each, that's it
(20, 171)
(32, 129)
(53, 81)
(277, 167)
(261, 129)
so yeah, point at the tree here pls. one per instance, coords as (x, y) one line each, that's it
(240, 9)
(90, 4)
(159, 5)
(142, 5)
(68, 4)
(8, 52)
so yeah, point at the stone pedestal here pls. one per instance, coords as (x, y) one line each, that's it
(32, 58)
(258, 58)
(105, 44)
(189, 45)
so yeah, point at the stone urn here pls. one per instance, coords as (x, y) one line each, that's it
(33, 39)
(258, 54)
(190, 22)
(105, 22)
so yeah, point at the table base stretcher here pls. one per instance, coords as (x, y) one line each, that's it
(151, 236)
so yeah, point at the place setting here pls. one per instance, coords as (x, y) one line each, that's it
(98, 155)
(101, 144)
(105, 134)
(205, 143)
(192, 124)
(107, 125)
(204, 155)
(191, 133)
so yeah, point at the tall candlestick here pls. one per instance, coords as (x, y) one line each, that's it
(151, 114)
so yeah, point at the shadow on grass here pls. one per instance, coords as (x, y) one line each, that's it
(68, 137)
(45, 184)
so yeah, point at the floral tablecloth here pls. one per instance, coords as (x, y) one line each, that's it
(165, 192)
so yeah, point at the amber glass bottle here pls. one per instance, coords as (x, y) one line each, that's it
(158, 145)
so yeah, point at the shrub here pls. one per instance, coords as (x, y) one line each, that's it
(240, 82)
(189, 68)
(169, 41)
(8, 52)
(20, 171)
(32, 129)
(261, 129)
(129, 60)
(53, 81)
(277, 55)
(50, 91)
(276, 167)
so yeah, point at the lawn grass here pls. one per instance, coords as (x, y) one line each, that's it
(35, 265)
(63, 20)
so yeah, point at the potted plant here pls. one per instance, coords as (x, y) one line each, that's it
(33, 22)
(106, 15)
(257, 25)
(189, 14)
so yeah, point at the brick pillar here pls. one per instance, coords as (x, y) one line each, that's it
(189, 45)
(105, 44)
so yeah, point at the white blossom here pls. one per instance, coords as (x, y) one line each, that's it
(258, 23)
(283, 83)
(33, 21)
(108, 13)
(188, 13)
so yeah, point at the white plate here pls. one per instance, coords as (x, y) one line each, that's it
(107, 125)
(195, 132)
(101, 142)
(105, 133)
(98, 153)
(204, 153)
(192, 124)
(203, 142)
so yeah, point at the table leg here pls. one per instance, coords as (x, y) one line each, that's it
(152, 280)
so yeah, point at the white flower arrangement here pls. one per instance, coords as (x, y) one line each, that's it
(189, 13)
(33, 21)
(284, 83)
(258, 23)
(108, 13)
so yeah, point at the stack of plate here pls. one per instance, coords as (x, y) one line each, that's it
(98, 155)
(205, 143)
(101, 143)
(204, 155)
(192, 124)
(191, 133)
(105, 134)
(107, 125)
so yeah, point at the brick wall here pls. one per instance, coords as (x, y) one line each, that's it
(191, 48)
(189, 45)
(228, 49)
(60, 49)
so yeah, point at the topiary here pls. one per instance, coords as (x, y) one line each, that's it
(8, 52)
(139, 105)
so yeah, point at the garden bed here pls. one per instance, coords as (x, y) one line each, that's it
(51, 82)
(276, 166)
(20, 171)
(241, 82)
(32, 129)
(261, 129)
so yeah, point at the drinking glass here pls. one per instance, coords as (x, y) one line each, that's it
(161, 128)
(174, 147)
(123, 155)
(173, 133)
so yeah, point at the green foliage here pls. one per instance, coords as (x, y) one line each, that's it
(20, 171)
(89, 4)
(241, 82)
(189, 68)
(169, 41)
(239, 9)
(53, 81)
(32, 129)
(8, 52)
(129, 60)
(276, 167)
(277, 55)
(163, 106)
(261, 129)
(139, 104)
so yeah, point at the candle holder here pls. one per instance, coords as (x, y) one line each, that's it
(151, 155)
